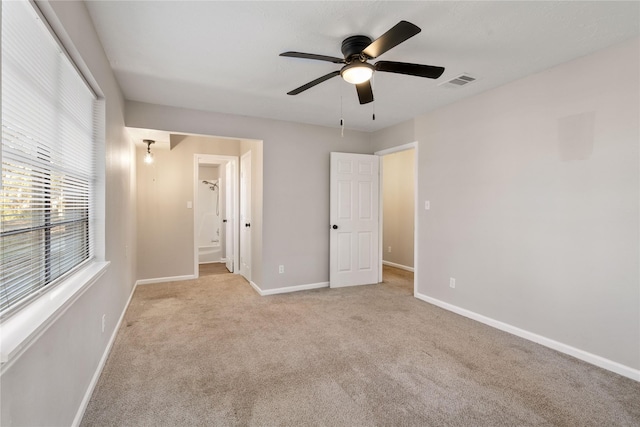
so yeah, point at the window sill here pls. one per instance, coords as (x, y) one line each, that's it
(23, 328)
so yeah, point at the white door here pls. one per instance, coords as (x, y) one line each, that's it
(245, 216)
(354, 220)
(229, 215)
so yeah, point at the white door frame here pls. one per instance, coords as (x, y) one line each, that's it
(403, 147)
(214, 159)
(246, 199)
(230, 224)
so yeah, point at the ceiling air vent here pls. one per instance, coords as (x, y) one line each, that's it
(461, 80)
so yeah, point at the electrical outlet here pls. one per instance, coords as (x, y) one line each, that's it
(452, 282)
(427, 205)
(104, 318)
(281, 269)
(389, 250)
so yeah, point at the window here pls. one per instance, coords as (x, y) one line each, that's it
(49, 138)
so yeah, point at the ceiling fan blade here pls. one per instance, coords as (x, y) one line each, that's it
(313, 56)
(365, 93)
(314, 82)
(428, 71)
(401, 32)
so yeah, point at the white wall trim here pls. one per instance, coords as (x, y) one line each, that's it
(416, 216)
(256, 288)
(396, 149)
(400, 266)
(165, 279)
(288, 289)
(591, 358)
(96, 376)
(242, 209)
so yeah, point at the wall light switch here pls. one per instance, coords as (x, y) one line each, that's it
(189, 205)
(427, 205)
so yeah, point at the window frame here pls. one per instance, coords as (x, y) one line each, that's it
(30, 317)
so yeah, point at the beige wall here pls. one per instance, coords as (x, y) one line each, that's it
(398, 193)
(165, 224)
(295, 185)
(46, 385)
(208, 173)
(534, 190)
(393, 136)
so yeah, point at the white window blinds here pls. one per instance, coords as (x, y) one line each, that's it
(49, 118)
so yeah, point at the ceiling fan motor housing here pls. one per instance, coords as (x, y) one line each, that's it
(353, 46)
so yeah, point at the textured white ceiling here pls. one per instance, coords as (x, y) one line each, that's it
(223, 56)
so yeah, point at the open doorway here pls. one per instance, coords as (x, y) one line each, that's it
(166, 202)
(398, 231)
(215, 214)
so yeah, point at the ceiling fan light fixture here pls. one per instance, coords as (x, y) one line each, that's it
(357, 73)
(359, 49)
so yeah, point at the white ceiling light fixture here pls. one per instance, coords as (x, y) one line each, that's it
(356, 73)
(148, 157)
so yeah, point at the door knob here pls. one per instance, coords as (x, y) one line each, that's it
(335, 227)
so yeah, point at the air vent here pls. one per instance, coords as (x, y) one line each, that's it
(461, 80)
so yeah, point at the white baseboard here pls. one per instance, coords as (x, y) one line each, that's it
(288, 289)
(593, 359)
(400, 266)
(165, 279)
(96, 376)
(256, 287)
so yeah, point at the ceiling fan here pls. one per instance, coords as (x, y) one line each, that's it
(357, 50)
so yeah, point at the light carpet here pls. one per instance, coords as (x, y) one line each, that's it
(212, 352)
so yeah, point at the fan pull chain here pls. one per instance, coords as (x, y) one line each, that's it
(341, 119)
(373, 103)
